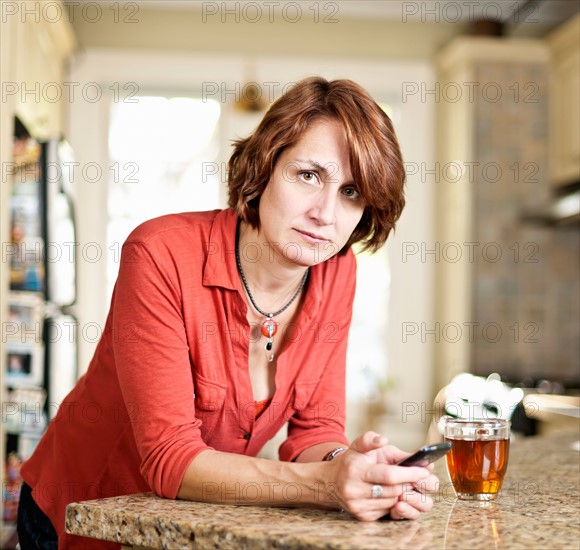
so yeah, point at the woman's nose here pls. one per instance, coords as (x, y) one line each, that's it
(324, 208)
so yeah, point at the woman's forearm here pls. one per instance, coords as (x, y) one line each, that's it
(348, 481)
(228, 478)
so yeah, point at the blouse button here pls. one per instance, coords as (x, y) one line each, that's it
(247, 436)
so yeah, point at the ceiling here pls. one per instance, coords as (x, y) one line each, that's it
(520, 17)
(434, 11)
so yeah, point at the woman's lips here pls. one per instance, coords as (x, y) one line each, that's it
(311, 237)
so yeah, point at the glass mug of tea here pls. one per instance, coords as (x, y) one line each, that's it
(478, 460)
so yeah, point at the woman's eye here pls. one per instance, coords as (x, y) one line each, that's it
(351, 193)
(308, 177)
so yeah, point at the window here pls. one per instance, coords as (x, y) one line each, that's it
(160, 151)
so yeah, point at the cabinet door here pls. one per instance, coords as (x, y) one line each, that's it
(566, 114)
(569, 74)
(39, 80)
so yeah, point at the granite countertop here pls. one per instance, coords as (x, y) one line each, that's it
(539, 507)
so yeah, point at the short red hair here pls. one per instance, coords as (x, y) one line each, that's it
(374, 153)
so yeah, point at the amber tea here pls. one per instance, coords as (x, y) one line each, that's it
(478, 461)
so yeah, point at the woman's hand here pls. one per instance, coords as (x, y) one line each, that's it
(370, 485)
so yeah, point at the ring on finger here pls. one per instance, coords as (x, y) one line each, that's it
(376, 491)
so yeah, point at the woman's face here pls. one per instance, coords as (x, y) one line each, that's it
(311, 205)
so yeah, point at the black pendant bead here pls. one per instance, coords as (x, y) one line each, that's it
(269, 346)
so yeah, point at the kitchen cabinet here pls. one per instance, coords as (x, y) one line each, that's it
(42, 40)
(565, 103)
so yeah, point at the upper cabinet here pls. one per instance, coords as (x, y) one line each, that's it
(41, 41)
(564, 45)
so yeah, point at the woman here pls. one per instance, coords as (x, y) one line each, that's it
(225, 325)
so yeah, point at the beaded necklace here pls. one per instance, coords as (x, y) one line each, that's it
(269, 327)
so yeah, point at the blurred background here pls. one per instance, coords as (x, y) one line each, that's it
(482, 273)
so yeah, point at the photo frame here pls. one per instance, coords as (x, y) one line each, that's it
(24, 364)
(24, 412)
(25, 318)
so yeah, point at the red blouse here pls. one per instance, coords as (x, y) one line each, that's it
(170, 375)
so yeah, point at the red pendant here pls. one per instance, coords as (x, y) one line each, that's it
(269, 328)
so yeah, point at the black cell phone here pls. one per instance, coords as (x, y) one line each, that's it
(426, 455)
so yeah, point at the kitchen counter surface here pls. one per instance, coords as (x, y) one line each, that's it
(539, 507)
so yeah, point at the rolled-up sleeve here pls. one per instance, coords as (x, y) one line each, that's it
(154, 369)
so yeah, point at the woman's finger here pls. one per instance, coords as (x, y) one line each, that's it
(394, 455)
(369, 441)
(429, 484)
(386, 474)
(407, 505)
(419, 501)
(403, 510)
(370, 510)
(379, 492)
